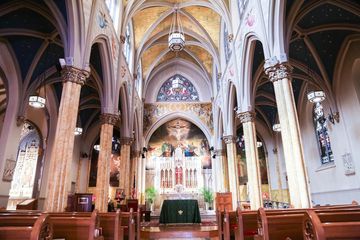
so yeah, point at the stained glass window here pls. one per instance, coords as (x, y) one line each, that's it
(23, 183)
(127, 44)
(177, 89)
(226, 44)
(322, 134)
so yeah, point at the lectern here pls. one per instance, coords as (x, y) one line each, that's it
(83, 202)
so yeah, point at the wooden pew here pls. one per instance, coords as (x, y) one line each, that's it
(76, 227)
(333, 224)
(280, 224)
(283, 224)
(41, 228)
(240, 225)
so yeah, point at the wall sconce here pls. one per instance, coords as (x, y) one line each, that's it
(145, 149)
(259, 144)
(78, 131)
(211, 149)
(277, 127)
(214, 156)
(97, 147)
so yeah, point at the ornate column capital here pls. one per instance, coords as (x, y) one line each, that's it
(278, 72)
(75, 75)
(108, 118)
(126, 141)
(246, 116)
(229, 139)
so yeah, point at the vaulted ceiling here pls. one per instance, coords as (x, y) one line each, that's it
(201, 21)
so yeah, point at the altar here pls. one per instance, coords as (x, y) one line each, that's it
(180, 211)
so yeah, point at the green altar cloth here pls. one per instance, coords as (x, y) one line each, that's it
(180, 211)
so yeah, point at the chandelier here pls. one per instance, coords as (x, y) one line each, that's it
(176, 34)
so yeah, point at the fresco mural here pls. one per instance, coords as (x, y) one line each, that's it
(114, 164)
(179, 134)
(153, 112)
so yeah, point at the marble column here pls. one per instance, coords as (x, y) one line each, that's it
(252, 159)
(125, 165)
(108, 121)
(220, 171)
(139, 177)
(62, 154)
(133, 170)
(232, 168)
(290, 134)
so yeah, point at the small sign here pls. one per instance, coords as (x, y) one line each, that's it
(348, 164)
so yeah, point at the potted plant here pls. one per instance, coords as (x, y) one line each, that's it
(150, 194)
(208, 197)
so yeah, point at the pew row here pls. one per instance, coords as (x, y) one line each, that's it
(113, 226)
(38, 228)
(331, 225)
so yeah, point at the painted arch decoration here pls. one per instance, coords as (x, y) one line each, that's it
(177, 89)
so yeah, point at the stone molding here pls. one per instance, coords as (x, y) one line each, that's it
(279, 72)
(220, 152)
(230, 37)
(126, 141)
(20, 120)
(229, 139)
(246, 116)
(75, 75)
(122, 39)
(108, 118)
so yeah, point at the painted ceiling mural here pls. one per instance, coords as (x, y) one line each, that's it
(175, 135)
(154, 112)
(177, 89)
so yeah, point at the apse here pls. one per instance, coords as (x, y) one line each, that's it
(178, 159)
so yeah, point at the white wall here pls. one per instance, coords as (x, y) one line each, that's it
(328, 183)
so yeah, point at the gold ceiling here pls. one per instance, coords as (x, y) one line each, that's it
(201, 25)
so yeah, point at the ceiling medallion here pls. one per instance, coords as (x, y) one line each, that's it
(176, 34)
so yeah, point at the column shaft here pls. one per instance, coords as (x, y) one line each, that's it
(220, 171)
(125, 174)
(253, 165)
(62, 154)
(291, 139)
(232, 169)
(103, 170)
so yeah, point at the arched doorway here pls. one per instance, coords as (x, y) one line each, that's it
(29, 165)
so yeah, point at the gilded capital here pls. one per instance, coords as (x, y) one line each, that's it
(126, 141)
(279, 72)
(229, 139)
(108, 118)
(75, 75)
(246, 116)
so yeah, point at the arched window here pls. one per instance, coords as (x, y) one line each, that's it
(27, 171)
(227, 49)
(177, 89)
(322, 135)
(127, 44)
(114, 10)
